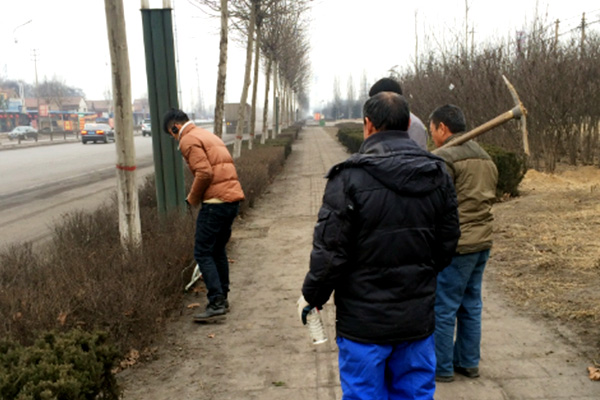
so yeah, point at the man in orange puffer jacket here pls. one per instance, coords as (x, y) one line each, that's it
(216, 186)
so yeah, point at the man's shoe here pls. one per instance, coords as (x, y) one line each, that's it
(214, 312)
(442, 378)
(226, 305)
(468, 372)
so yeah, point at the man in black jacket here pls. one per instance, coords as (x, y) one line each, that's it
(387, 226)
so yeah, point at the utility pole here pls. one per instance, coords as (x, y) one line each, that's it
(557, 23)
(37, 90)
(129, 213)
(416, 45)
(466, 26)
(583, 35)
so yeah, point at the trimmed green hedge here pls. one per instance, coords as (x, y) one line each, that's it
(511, 170)
(511, 167)
(74, 365)
(351, 136)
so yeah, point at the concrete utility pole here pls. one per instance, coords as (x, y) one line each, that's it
(583, 35)
(37, 92)
(129, 213)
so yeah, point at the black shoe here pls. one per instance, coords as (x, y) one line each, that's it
(468, 372)
(214, 312)
(226, 305)
(442, 378)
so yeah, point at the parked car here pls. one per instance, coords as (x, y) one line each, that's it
(146, 128)
(23, 132)
(97, 133)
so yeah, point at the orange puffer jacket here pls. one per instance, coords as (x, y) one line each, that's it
(209, 160)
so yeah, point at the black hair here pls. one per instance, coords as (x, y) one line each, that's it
(387, 111)
(451, 115)
(385, 85)
(172, 116)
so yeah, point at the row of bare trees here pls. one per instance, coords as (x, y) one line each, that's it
(557, 76)
(274, 32)
(558, 80)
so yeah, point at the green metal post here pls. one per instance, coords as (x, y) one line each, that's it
(162, 96)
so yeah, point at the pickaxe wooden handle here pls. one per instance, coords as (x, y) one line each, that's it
(518, 112)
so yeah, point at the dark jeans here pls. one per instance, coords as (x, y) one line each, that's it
(213, 230)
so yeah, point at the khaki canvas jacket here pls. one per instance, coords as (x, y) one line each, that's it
(215, 176)
(475, 178)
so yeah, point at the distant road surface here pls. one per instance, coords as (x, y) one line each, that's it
(39, 184)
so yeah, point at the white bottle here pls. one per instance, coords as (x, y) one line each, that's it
(315, 326)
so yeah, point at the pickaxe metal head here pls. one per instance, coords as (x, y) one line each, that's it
(519, 112)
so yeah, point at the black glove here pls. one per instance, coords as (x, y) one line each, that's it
(305, 312)
(304, 308)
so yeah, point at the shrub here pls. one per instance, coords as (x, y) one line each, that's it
(74, 365)
(350, 135)
(257, 172)
(84, 279)
(511, 170)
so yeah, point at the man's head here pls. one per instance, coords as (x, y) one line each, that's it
(173, 120)
(385, 85)
(385, 111)
(445, 121)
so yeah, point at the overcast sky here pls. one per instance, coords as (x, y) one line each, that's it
(348, 38)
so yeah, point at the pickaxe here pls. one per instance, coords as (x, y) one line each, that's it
(518, 112)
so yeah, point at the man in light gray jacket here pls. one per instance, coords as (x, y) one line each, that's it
(416, 129)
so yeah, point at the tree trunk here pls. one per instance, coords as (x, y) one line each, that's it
(239, 131)
(282, 107)
(275, 129)
(254, 88)
(222, 74)
(129, 215)
(265, 132)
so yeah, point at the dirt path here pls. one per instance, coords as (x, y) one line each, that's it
(262, 352)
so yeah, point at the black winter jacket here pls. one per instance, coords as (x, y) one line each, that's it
(387, 226)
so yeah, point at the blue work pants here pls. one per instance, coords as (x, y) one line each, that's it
(387, 372)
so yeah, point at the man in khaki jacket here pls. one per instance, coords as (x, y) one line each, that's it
(217, 188)
(458, 292)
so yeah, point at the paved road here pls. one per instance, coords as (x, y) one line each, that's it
(40, 183)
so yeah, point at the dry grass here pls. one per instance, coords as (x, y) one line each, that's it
(546, 252)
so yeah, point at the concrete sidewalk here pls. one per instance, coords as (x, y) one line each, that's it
(521, 358)
(263, 352)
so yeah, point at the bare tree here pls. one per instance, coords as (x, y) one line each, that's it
(220, 8)
(222, 74)
(337, 98)
(350, 97)
(129, 213)
(239, 131)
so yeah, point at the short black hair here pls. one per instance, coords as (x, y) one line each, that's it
(385, 85)
(387, 111)
(172, 116)
(451, 115)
